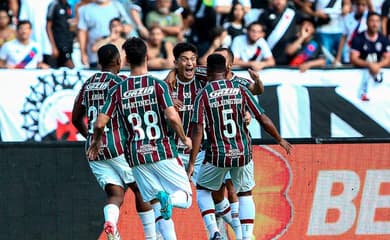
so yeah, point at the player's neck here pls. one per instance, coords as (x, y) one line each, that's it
(217, 76)
(138, 70)
(109, 69)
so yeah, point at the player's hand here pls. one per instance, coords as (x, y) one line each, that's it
(187, 141)
(177, 104)
(286, 145)
(93, 150)
(171, 79)
(190, 171)
(247, 118)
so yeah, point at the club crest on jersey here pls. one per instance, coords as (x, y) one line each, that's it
(47, 110)
(224, 92)
(139, 92)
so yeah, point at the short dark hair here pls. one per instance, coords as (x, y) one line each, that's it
(255, 23)
(116, 19)
(135, 49)
(183, 47)
(228, 50)
(108, 54)
(216, 63)
(370, 14)
(23, 22)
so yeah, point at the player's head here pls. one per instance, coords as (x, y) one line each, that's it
(109, 57)
(186, 56)
(229, 56)
(135, 49)
(216, 67)
(373, 22)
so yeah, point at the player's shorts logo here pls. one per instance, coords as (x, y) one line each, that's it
(47, 110)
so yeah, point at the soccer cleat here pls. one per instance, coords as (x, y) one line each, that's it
(111, 231)
(364, 97)
(166, 205)
(216, 236)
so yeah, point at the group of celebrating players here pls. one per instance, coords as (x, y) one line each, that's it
(157, 137)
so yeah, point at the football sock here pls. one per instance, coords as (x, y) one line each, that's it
(206, 207)
(148, 222)
(247, 216)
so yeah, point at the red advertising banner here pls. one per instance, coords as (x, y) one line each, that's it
(321, 191)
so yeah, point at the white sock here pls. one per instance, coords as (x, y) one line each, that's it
(236, 224)
(223, 209)
(181, 199)
(247, 216)
(206, 207)
(111, 213)
(148, 222)
(165, 227)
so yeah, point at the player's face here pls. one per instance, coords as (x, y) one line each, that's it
(185, 65)
(373, 24)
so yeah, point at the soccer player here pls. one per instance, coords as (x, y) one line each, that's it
(222, 105)
(184, 92)
(111, 170)
(144, 105)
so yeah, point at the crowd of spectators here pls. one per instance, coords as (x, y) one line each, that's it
(296, 33)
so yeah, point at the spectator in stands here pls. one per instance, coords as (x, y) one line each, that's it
(22, 52)
(305, 51)
(385, 18)
(235, 24)
(224, 7)
(140, 9)
(77, 8)
(12, 8)
(328, 15)
(116, 37)
(371, 50)
(375, 5)
(251, 50)
(187, 34)
(35, 11)
(169, 22)
(159, 52)
(94, 21)
(353, 24)
(221, 39)
(60, 33)
(7, 33)
(280, 25)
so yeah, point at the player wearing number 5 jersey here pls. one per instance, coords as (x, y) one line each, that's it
(222, 105)
(144, 105)
(111, 170)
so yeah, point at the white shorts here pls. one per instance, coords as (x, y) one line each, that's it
(212, 177)
(113, 171)
(166, 175)
(185, 158)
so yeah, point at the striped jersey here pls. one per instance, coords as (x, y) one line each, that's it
(186, 93)
(222, 105)
(141, 101)
(242, 81)
(92, 95)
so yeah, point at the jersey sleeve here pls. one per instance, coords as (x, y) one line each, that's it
(163, 95)
(267, 53)
(251, 104)
(80, 98)
(356, 43)
(198, 110)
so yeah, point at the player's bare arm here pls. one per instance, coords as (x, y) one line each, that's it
(78, 114)
(170, 79)
(175, 121)
(270, 128)
(256, 88)
(196, 137)
(98, 130)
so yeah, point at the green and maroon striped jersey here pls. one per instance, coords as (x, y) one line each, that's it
(140, 101)
(92, 95)
(241, 80)
(222, 105)
(186, 93)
